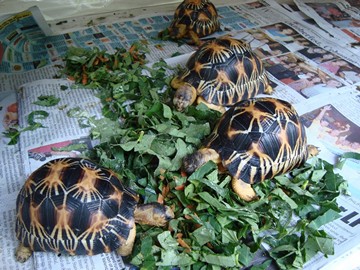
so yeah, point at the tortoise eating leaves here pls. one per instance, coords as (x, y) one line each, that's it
(193, 19)
(220, 73)
(255, 140)
(74, 206)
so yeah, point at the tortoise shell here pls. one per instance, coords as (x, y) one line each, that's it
(259, 138)
(224, 71)
(74, 206)
(194, 17)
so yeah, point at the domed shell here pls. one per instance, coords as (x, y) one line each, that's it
(224, 71)
(197, 16)
(74, 206)
(260, 138)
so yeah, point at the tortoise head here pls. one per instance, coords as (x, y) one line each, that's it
(184, 96)
(154, 214)
(193, 161)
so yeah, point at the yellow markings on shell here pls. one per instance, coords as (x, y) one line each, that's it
(223, 77)
(193, 4)
(36, 228)
(198, 67)
(98, 224)
(85, 189)
(219, 53)
(188, 12)
(63, 224)
(53, 181)
(28, 189)
(237, 44)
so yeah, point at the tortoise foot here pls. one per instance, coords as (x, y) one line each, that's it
(313, 150)
(22, 253)
(244, 190)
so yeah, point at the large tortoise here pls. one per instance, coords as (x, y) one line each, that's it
(74, 206)
(220, 73)
(193, 19)
(255, 140)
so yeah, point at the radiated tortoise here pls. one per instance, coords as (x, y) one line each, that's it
(76, 207)
(220, 73)
(255, 140)
(192, 20)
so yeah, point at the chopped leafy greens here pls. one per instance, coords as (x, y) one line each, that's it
(47, 100)
(14, 133)
(143, 139)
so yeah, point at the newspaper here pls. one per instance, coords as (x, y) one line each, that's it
(306, 67)
(339, 18)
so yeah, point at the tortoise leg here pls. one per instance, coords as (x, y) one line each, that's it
(244, 190)
(22, 253)
(218, 108)
(127, 247)
(178, 32)
(312, 150)
(268, 90)
(195, 38)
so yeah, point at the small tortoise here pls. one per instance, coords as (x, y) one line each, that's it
(193, 19)
(255, 140)
(74, 206)
(220, 73)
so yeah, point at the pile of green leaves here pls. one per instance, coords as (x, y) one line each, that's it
(145, 140)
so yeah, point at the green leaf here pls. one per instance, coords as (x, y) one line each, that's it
(47, 100)
(265, 265)
(36, 115)
(221, 260)
(228, 236)
(317, 175)
(167, 112)
(318, 244)
(13, 134)
(279, 192)
(204, 235)
(166, 241)
(181, 152)
(245, 255)
(212, 201)
(203, 170)
(325, 218)
(128, 146)
(345, 156)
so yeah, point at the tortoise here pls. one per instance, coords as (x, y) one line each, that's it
(76, 207)
(255, 140)
(193, 19)
(220, 73)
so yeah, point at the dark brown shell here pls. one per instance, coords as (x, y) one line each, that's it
(199, 16)
(259, 139)
(225, 71)
(74, 206)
